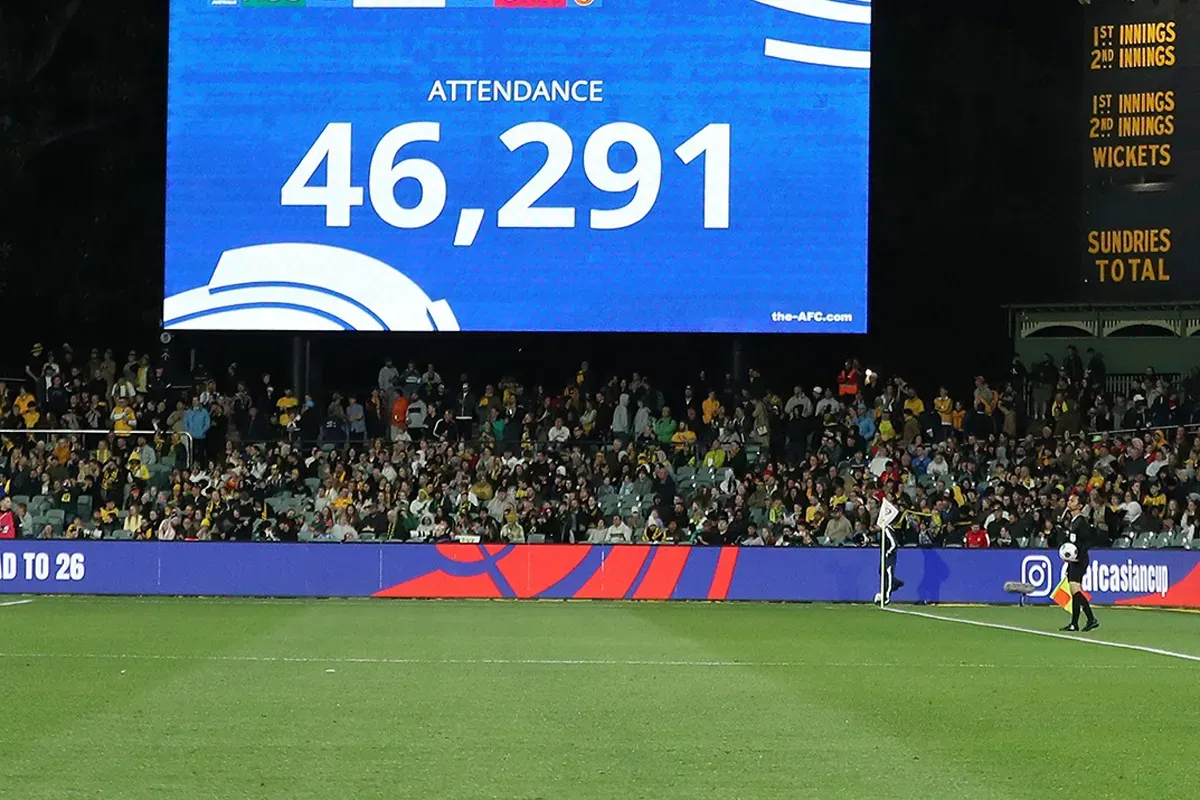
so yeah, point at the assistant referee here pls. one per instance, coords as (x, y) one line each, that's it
(1079, 533)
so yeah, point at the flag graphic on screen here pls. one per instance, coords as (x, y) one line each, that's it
(457, 3)
(531, 3)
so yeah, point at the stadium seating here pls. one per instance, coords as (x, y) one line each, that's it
(240, 465)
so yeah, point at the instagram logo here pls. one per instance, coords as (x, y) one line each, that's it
(1038, 572)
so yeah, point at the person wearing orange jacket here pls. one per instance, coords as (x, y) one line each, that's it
(399, 415)
(849, 380)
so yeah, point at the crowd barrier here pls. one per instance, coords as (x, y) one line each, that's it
(1143, 577)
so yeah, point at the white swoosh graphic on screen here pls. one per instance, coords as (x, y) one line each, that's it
(301, 286)
(825, 9)
(811, 54)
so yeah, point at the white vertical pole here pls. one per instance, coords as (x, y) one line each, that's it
(882, 558)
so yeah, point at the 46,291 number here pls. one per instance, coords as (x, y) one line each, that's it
(338, 195)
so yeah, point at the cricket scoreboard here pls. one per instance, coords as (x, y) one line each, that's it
(1140, 121)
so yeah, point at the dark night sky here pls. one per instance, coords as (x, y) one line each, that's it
(975, 197)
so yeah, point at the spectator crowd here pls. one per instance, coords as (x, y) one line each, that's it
(99, 450)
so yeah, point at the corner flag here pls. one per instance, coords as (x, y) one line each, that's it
(887, 514)
(887, 549)
(1062, 596)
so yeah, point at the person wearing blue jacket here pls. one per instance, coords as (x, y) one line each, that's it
(197, 421)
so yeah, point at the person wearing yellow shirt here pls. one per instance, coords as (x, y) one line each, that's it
(123, 417)
(285, 405)
(109, 513)
(957, 416)
(1060, 406)
(1156, 498)
(74, 529)
(31, 415)
(943, 405)
(142, 382)
(887, 431)
(138, 472)
(24, 401)
(684, 440)
(133, 520)
(914, 404)
(110, 478)
(715, 458)
(710, 407)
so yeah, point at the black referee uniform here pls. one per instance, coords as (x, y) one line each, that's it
(1079, 533)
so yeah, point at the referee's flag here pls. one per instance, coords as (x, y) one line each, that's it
(1062, 596)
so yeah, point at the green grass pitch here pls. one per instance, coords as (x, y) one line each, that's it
(131, 698)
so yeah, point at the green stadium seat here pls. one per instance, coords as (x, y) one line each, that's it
(160, 477)
(1143, 541)
(21, 499)
(1194, 544)
(1122, 542)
